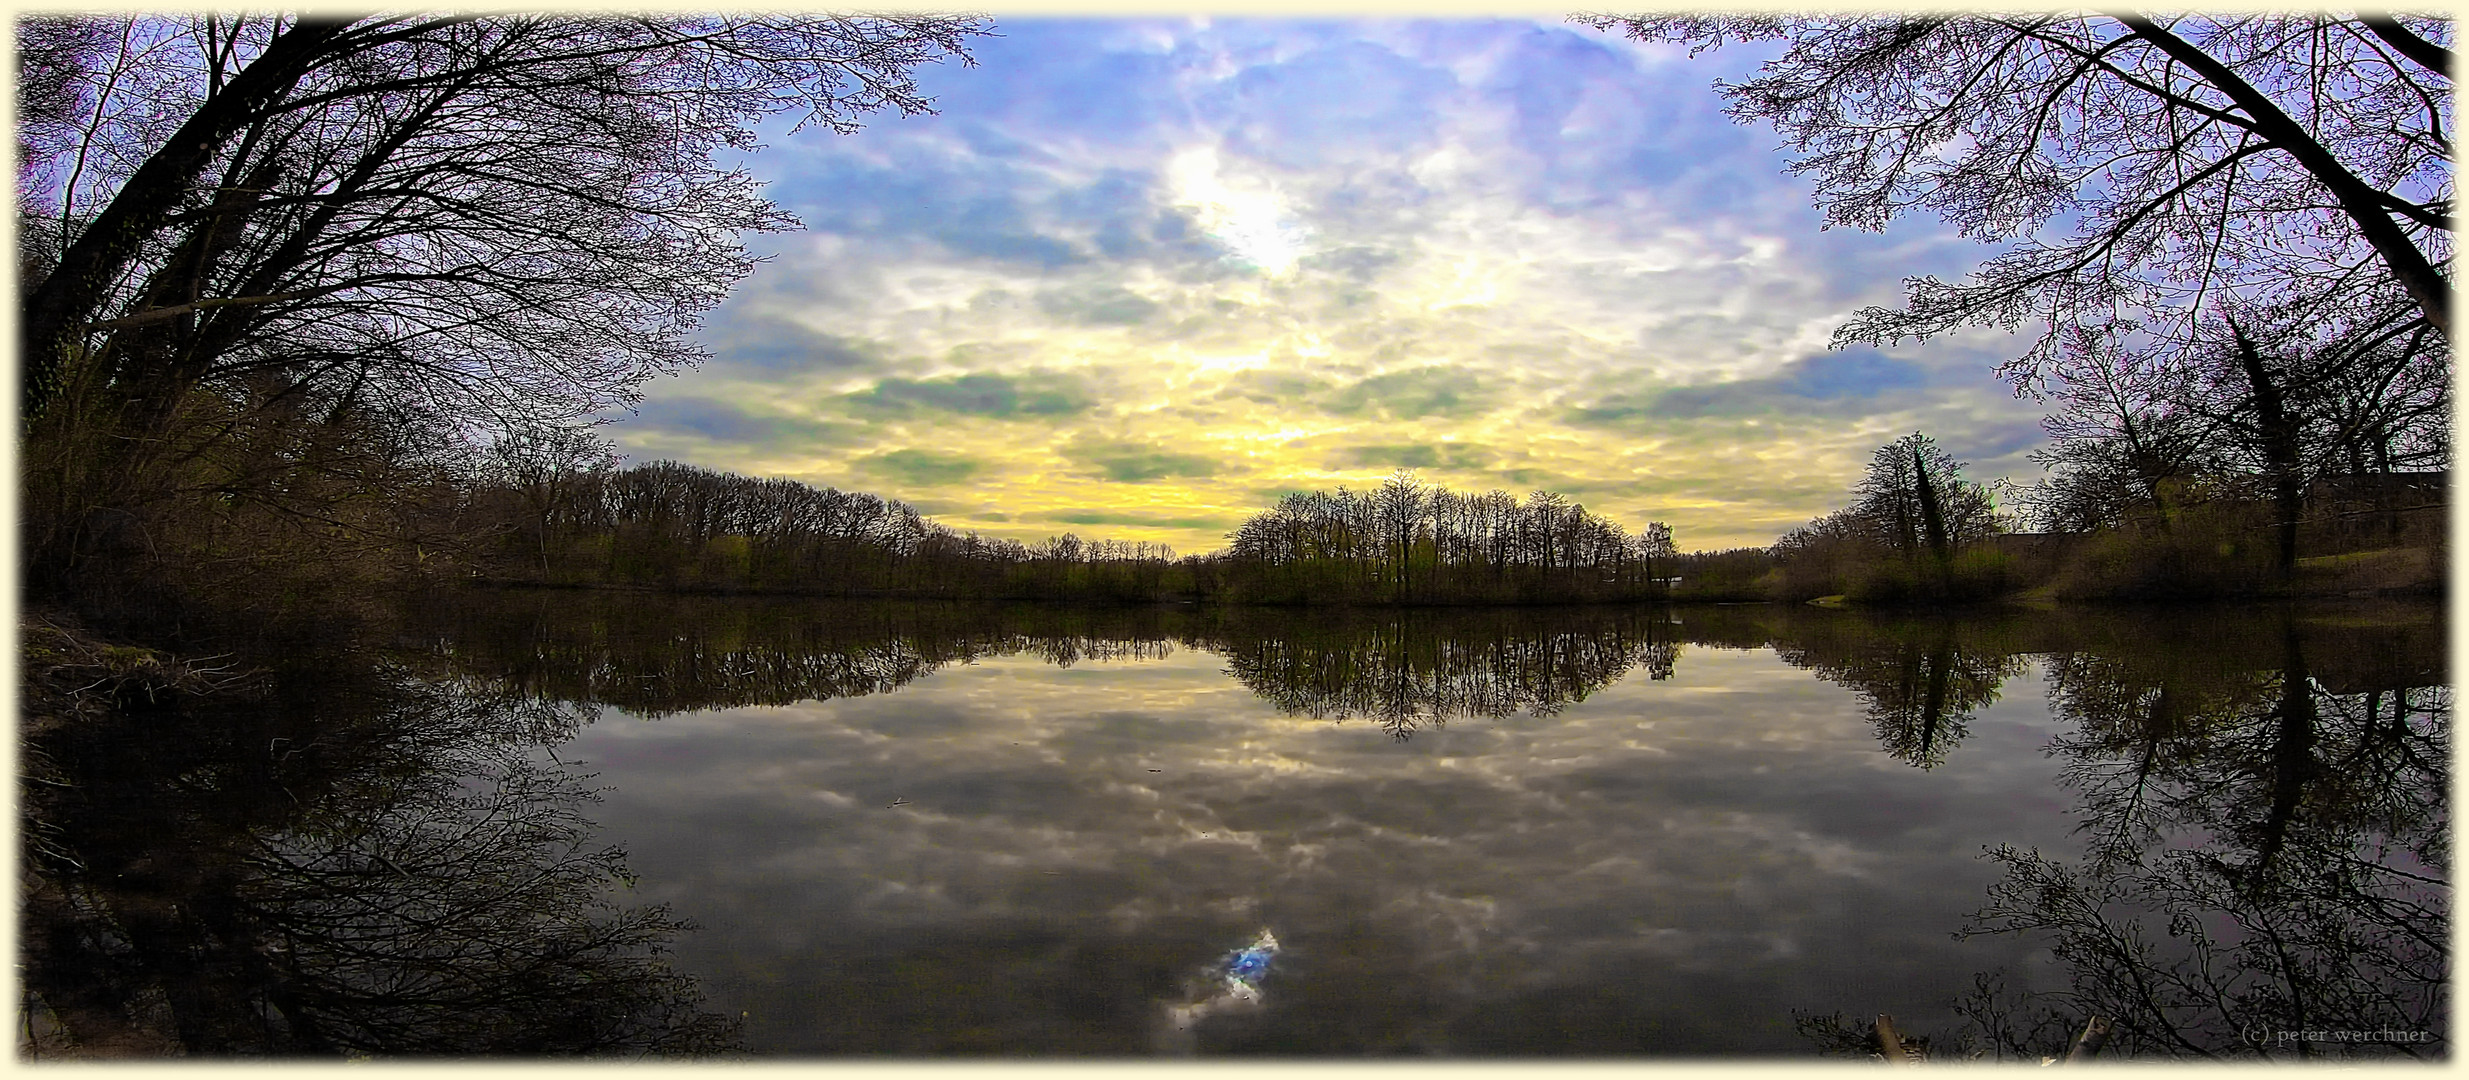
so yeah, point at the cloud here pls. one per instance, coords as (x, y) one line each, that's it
(982, 208)
(1027, 394)
(1354, 262)
(1267, 497)
(1108, 81)
(1858, 371)
(1846, 383)
(747, 338)
(1531, 480)
(1100, 828)
(1200, 257)
(721, 421)
(1414, 456)
(1348, 101)
(1098, 305)
(919, 468)
(1004, 208)
(1120, 517)
(1135, 463)
(1414, 394)
(1272, 387)
(1995, 441)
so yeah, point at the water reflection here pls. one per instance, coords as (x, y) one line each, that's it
(2260, 799)
(362, 861)
(1404, 671)
(987, 862)
(662, 655)
(1415, 669)
(1230, 984)
(2266, 863)
(1920, 680)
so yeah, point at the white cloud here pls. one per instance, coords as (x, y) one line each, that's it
(1245, 212)
(1550, 265)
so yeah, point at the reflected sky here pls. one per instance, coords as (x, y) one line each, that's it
(964, 830)
(1008, 856)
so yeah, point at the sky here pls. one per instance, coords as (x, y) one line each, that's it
(1139, 278)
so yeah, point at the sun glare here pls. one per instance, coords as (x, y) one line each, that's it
(1243, 213)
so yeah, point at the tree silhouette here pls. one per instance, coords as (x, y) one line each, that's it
(1405, 543)
(1912, 515)
(363, 862)
(2266, 400)
(1412, 670)
(1918, 681)
(2190, 158)
(1914, 499)
(520, 212)
(280, 273)
(2265, 856)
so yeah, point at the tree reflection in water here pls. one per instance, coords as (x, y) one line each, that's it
(1408, 670)
(660, 655)
(2267, 866)
(367, 861)
(2262, 796)
(1919, 681)
(1405, 670)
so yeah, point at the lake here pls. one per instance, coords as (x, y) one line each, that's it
(912, 829)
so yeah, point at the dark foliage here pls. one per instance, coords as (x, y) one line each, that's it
(332, 855)
(282, 272)
(1404, 542)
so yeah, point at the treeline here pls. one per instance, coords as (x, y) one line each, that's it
(1916, 531)
(1404, 542)
(562, 513)
(2212, 527)
(1407, 671)
(1922, 673)
(552, 506)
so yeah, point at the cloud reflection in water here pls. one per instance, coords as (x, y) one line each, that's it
(1642, 872)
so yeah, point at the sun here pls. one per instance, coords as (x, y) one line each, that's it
(1243, 213)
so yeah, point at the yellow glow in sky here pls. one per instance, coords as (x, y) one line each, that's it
(1137, 281)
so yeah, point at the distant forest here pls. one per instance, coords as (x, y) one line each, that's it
(554, 509)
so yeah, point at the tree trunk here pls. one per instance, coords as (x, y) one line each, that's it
(1941, 661)
(1932, 513)
(2278, 436)
(2293, 766)
(58, 309)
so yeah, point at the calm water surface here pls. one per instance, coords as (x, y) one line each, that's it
(1692, 832)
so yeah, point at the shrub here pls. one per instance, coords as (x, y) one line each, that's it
(2207, 552)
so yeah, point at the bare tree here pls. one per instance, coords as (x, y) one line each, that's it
(1655, 546)
(520, 213)
(2264, 398)
(2122, 443)
(2187, 161)
(543, 464)
(1402, 504)
(1914, 499)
